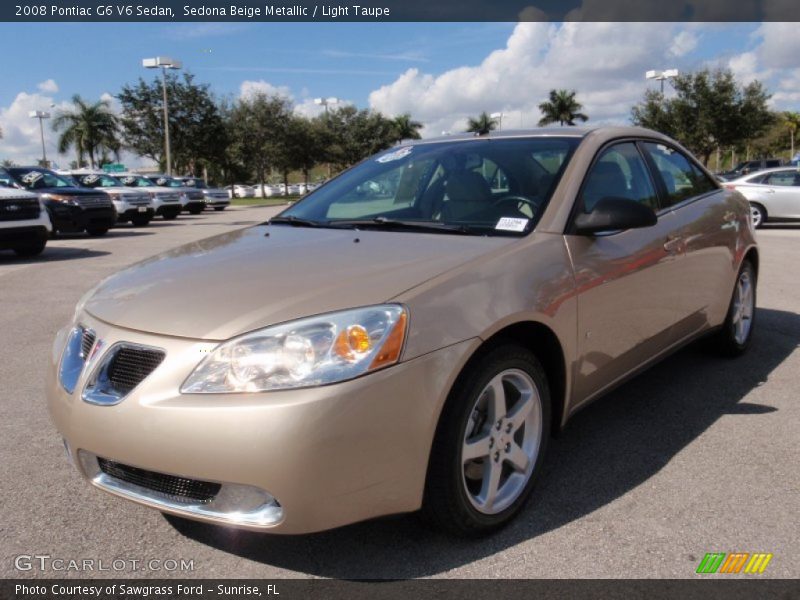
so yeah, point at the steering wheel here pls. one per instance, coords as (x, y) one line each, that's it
(519, 201)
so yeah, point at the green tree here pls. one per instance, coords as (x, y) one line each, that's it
(482, 124)
(406, 128)
(305, 143)
(88, 128)
(561, 108)
(351, 135)
(198, 135)
(7, 162)
(791, 121)
(258, 132)
(710, 110)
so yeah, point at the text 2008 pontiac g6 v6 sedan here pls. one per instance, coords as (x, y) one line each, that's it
(407, 336)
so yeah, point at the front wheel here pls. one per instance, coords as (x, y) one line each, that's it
(758, 214)
(196, 210)
(141, 221)
(737, 331)
(97, 231)
(32, 248)
(219, 208)
(171, 216)
(490, 443)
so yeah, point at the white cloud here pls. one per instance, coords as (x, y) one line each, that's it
(49, 86)
(683, 43)
(604, 62)
(21, 137)
(250, 88)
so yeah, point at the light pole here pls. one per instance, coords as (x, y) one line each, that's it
(661, 76)
(41, 115)
(164, 63)
(326, 102)
(499, 117)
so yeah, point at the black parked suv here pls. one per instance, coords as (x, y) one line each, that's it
(71, 208)
(751, 166)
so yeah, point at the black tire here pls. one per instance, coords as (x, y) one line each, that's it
(759, 214)
(725, 341)
(171, 216)
(97, 231)
(32, 248)
(219, 208)
(141, 221)
(196, 211)
(446, 503)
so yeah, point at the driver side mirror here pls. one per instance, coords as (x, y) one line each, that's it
(615, 214)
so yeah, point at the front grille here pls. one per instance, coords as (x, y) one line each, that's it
(94, 202)
(177, 488)
(136, 200)
(169, 197)
(87, 341)
(19, 209)
(130, 366)
(195, 195)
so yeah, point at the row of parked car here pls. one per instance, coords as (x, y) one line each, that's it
(266, 190)
(36, 203)
(774, 194)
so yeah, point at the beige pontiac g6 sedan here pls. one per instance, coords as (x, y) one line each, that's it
(408, 336)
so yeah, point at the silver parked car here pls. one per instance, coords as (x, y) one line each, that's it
(774, 194)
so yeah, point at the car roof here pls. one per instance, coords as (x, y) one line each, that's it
(766, 171)
(608, 131)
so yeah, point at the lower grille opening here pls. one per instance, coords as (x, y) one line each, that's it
(176, 488)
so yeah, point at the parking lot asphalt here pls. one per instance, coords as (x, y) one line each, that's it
(697, 455)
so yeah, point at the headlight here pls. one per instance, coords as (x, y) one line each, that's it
(308, 352)
(58, 198)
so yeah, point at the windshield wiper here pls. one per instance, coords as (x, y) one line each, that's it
(295, 221)
(387, 223)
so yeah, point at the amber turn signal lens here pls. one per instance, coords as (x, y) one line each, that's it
(390, 352)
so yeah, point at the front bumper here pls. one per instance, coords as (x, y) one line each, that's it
(212, 201)
(329, 455)
(20, 236)
(72, 218)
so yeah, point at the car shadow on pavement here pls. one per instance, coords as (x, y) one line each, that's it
(50, 254)
(608, 449)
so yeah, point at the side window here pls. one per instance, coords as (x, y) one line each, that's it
(786, 178)
(619, 172)
(682, 179)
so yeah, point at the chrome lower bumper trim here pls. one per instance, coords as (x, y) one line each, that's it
(235, 504)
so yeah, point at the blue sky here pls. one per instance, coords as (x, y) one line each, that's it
(440, 72)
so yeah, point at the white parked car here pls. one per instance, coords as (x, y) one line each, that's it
(24, 223)
(774, 194)
(241, 190)
(131, 205)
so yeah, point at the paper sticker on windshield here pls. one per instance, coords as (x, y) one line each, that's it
(511, 224)
(31, 178)
(88, 179)
(128, 180)
(396, 155)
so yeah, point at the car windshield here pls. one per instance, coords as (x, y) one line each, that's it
(482, 186)
(38, 179)
(135, 181)
(97, 180)
(196, 183)
(167, 181)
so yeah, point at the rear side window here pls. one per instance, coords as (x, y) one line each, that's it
(785, 178)
(773, 163)
(619, 172)
(682, 179)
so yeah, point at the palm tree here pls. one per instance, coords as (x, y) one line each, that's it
(91, 129)
(482, 124)
(406, 128)
(561, 108)
(792, 122)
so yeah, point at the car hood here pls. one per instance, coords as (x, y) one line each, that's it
(240, 281)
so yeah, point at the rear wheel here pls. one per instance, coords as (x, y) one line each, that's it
(33, 248)
(170, 216)
(737, 331)
(196, 210)
(96, 231)
(219, 208)
(490, 444)
(759, 214)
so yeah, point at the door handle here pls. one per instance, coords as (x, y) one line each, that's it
(673, 244)
(769, 191)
